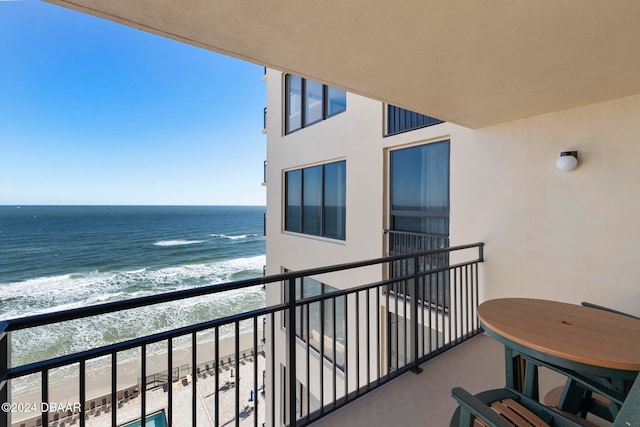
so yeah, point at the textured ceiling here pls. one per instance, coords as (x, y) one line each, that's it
(474, 63)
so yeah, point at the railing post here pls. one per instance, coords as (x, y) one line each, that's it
(5, 364)
(291, 351)
(414, 318)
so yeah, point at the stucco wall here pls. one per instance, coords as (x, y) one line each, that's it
(571, 236)
(548, 234)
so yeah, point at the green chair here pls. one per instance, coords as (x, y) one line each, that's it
(584, 401)
(487, 409)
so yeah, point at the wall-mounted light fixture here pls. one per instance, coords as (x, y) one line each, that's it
(567, 161)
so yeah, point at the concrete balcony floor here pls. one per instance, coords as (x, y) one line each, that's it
(425, 400)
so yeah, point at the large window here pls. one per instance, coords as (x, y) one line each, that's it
(320, 319)
(420, 189)
(420, 217)
(400, 120)
(315, 200)
(308, 102)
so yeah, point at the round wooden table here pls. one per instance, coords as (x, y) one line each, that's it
(565, 334)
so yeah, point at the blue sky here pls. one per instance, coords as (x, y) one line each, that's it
(93, 112)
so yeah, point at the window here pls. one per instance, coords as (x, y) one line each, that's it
(420, 189)
(315, 200)
(308, 102)
(336, 101)
(320, 319)
(294, 103)
(420, 216)
(400, 120)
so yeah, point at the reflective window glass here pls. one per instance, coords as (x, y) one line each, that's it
(313, 102)
(312, 200)
(420, 180)
(293, 184)
(336, 100)
(335, 200)
(294, 103)
(308, 102)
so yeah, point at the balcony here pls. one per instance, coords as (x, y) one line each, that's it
(425, 399)
(400, 120)
(347, 344)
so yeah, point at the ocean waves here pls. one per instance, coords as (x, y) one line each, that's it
(239, 237)
(64, 292)
(58, 258)
(47, 294)
(178, 242)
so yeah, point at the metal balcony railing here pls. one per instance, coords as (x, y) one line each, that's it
(264, 119)
(343, 325)
(264, 179)
(403, 242)
(400, 120)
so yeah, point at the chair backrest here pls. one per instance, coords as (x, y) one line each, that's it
(629, 415)
(600, 307)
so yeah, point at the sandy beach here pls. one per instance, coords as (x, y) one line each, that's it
(98, 392)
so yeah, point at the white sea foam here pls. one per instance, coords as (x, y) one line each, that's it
(239, 237)
(178, 242)
(48, 294)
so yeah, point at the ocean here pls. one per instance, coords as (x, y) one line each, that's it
(60, 257)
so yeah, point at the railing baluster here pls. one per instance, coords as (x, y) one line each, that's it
(5, 365)
(436, 277)
(378, 358)
(308, 348)
(335, 354)
(414, 317)
(143, 385)
(45, 396)
(346, 348)
(477, 298)
(114, 388)
(216, 364)
(453, 306)
(170, 380)
(82, 395)
(321, 359)
(291, 350)
(237, 368)
(467, 294)
(194, 378)
(449, 320)
(397, 326)
(273, 371)
(368, 340)
(255, 372)
(357, 343)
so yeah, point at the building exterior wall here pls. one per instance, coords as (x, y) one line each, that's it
(568, 236)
